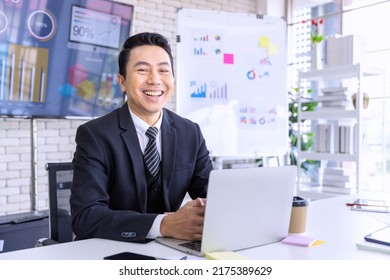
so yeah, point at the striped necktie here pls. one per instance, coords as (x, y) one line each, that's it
(151, 156)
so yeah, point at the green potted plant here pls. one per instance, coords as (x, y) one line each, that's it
(310, 167)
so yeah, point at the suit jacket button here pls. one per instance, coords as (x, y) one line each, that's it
(128, 234)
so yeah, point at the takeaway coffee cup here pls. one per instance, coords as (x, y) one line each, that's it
(298, 215)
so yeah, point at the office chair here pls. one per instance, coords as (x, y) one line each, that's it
(60, 176)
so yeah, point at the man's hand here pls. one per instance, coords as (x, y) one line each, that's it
(186, 223)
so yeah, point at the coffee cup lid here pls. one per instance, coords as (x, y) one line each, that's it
(299, 201)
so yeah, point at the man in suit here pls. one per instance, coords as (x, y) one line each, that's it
(114, 194)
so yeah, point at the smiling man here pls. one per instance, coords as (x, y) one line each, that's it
(134, 166)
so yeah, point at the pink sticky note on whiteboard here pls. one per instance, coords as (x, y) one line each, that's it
(228, 58)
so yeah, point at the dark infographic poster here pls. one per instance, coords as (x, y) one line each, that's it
(59, 58)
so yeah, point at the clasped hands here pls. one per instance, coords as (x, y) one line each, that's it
(186, 223)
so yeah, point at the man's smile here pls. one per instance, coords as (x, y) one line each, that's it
(153, 93)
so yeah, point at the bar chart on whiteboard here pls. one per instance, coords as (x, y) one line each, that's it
(24, 74)
(216, 92)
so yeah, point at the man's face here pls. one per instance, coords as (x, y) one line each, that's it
(148, 83)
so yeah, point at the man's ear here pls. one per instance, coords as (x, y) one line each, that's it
(121, 82)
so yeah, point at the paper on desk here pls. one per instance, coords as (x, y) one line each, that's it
(217, 256)
(385, 218)
(224, 256)
(371, 246)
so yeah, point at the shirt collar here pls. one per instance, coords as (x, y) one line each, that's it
(141, 126)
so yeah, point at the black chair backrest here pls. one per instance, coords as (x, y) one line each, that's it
(60, 182)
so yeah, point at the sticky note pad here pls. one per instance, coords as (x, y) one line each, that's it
(300, 240)
(264, 42)
(224, 256)
(228, 58)
(273, 50)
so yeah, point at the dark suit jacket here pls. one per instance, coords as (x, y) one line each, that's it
(109, 192)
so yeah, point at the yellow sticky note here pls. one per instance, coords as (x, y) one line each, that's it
(264, 42)
(273, 50)
(224, 256)
(318, 242)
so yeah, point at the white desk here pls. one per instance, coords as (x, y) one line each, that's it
(328, 219)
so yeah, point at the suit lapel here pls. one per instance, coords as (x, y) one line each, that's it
(168, 150)
(129, 137)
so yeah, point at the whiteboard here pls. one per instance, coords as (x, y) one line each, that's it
(231, 80)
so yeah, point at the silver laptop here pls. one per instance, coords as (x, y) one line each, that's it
(245, 208)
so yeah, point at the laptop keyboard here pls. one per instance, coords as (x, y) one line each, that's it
(193, 245)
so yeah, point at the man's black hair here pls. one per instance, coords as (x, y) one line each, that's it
(140, 39)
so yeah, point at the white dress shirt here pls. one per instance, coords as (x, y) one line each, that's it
(141, 127)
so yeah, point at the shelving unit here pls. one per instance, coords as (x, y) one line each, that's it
(324, 77)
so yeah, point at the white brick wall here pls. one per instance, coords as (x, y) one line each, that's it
(56, 137)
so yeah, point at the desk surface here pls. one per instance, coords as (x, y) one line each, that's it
(328, 219)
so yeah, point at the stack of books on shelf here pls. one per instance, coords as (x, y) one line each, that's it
(345, 50)
(333, 98)
(334, 137)
(338, 180)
